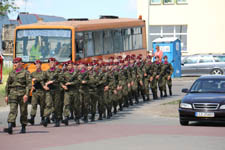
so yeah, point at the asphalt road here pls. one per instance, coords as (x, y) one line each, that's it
(128, 130)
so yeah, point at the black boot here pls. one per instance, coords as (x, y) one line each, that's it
(165, 94)
(23, 129)
(72, 116)
(77, 120)
(57, 123)
(108, 114)
(9, 130)
(92, 117)
(143, 96)
(115, 110)
(66, 121)
(45, 122)
(148, 99)
(136, 99)
(31, 120)
(42, 120)
(161, 94)
(53, 119)
(170, 90)
(131, 101)
(85, 119)
(100, 116)
(121, 107)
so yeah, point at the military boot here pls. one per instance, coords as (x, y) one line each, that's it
(109, 114)
(9, 130)
(100, 116)
(93, 117)
(136, 99)
(57, 123)
(72, 116)
(66, 121)
(77, 120)
(31, 120)
(165, 93)
(13, 124)
(23, 129)
(161, 94)
(121, 107)
(42, 120)
(85, 119)
(143, 96)
(115, 110)
(45, 122)
(170, 90)
(148, 98)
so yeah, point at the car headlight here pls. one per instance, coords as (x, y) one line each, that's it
(222, 107)
(185, 105)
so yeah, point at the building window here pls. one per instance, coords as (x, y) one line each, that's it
(181, 1)
(178, 31)
(168, 1)
(154, 2)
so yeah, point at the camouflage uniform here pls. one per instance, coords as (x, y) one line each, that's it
(169, 72)
(17, 85)
(53, 96)
(38, 95)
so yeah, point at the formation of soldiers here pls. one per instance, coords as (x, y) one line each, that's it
(80, 90)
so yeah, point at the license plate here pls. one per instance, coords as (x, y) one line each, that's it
(204, 114)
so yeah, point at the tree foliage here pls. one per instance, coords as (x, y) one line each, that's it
(7, 6)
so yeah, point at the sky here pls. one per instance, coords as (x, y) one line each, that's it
(78, 8)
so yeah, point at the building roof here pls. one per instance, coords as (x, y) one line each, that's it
(26, 18)
(165, 39)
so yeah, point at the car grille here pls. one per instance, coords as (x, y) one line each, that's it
(206, 106)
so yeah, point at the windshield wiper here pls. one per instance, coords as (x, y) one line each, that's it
(195, 92)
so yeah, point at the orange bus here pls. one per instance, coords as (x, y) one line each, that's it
(79, 40)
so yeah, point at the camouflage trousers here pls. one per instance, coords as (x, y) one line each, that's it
(93, 101)
(84, 98)
(38, 98)
(162, 83)
(14, 102)
(72, 101)
(53, 104)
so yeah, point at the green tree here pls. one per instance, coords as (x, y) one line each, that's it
(7, 6)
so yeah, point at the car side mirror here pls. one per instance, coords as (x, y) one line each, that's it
(185, 90)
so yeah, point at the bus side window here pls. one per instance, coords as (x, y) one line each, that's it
(79, 45)
(117, 41)
(108, 42)
(127, 36)
(137, 38)
(88, 44)
(98, 42)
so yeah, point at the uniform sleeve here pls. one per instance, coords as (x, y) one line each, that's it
(171, 69)
(28, 83)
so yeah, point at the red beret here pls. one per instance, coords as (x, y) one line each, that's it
(165, 56)
(119, 57)
(69, 62)
(37, 62)
(56, 62)
(111, 57)
(17, 59)
(51, 59)
(121, 61)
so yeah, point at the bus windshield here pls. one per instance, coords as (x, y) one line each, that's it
(33, 44)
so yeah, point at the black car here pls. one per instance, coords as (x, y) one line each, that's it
(204, 101)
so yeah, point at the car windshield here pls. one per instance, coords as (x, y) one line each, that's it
(33, 44)
(208, 86)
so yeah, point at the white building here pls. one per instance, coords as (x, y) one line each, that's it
(199, 24)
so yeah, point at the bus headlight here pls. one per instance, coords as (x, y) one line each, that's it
(185, 105)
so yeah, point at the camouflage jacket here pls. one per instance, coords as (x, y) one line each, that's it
(18, 83)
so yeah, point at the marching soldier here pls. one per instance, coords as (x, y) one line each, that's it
(17, 91)
(38, 93)
(71, 96)
(169, 72)
(53, 97)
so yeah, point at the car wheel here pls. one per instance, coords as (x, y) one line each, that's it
(217, 71)
(183, 123)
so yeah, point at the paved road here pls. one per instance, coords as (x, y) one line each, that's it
(128, 130)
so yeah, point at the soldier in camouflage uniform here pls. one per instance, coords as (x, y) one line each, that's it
(169, 72)
(38, 93)
(84, 90)
(53, 95)
(70, 85)
(17, 90)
